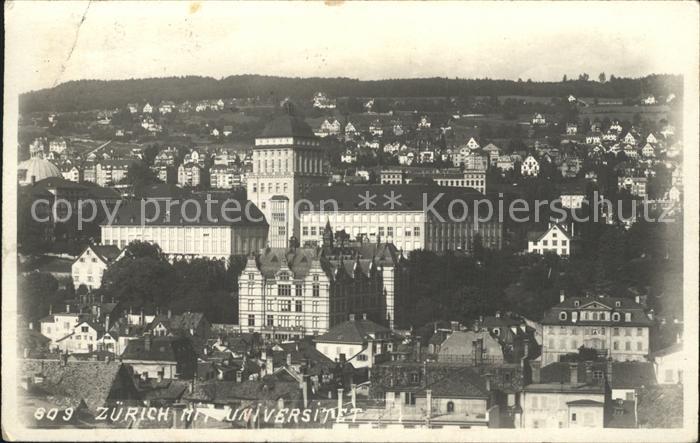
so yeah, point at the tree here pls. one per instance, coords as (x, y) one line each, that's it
(140, 249)
(37, 292)
(564, 79)
(601, 77)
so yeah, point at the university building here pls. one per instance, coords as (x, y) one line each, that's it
(287, 159)
(291, 293)
(615, 327)
(400, 215)
(183, 233)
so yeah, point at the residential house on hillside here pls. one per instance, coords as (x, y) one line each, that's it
(417, 394)
(530, 167)
(555, 399)
(161, 357)
(670, 363)
(617, 328)
(89, 266)
(356, 341)
(538, 120)
(554, 239)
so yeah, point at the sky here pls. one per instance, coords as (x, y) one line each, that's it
(46, 44)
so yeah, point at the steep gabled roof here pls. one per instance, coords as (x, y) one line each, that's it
(353, 331)
(91, 381)
(462, 383)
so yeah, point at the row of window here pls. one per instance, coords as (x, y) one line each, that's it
(595, 316)
(284, 306)
(574, 345)
(554, 242)
(576, 330)
(283, 321)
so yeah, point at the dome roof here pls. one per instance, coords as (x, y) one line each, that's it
(287, 126)
(36, 169)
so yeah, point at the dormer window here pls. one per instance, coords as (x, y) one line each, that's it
(562, 316)
(617, 304)
(576, 303)
(616, 316)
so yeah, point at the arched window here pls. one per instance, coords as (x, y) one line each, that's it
(450, 407)
(616, 316)
(562, 316)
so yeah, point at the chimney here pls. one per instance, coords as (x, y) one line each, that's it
(573, 370)
(418, 350)
(352, 317)
(364, 316)
(270, 365)
(170, 313)
(535, 370)
(562, 296)
(340, 402)
(289, 359)
(99, 311)
(141, 318)
(429, 402)
(353, 395)
(107, 322)
(147, 342)
(68, 308)
(488, 384)
(305, 390)
(239, 376)
(50, 309)
(526, 347)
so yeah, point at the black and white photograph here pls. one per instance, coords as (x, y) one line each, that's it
(350, 221)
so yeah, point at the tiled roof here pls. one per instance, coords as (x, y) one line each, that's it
(676, 347)
(91, 381)
(173, 349)
(462, 383)
(224, 392)
(352, 331)
(632, 374)
(106, 252)
(637, 311)
(130, 214)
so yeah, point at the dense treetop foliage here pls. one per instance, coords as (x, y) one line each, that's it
(107, 94)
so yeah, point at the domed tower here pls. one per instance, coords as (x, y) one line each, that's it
(287, 159)
(36, 169)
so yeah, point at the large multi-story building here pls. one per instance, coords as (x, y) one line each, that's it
(224, 177)
(187, 230)
(409, 216)
(191, 174)
(452, 177)
(111, 172)
(616, 327)
(287, 159)
(287, 293)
